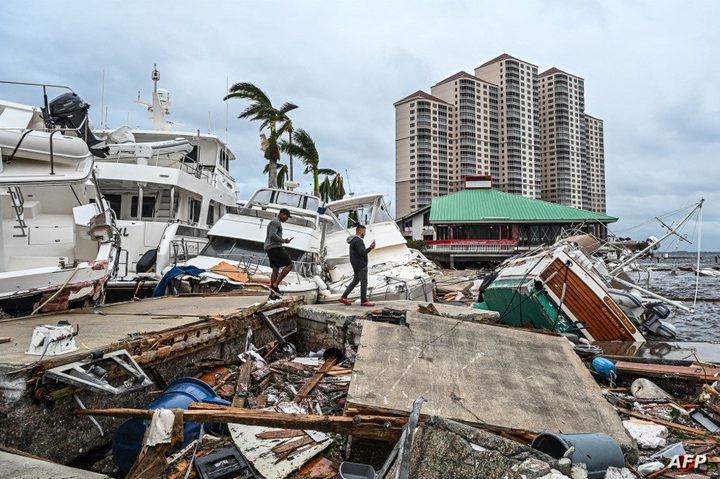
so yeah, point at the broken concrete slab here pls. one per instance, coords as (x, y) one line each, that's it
(340, 314)
(21, 467)
(443, 448)
(478, 373)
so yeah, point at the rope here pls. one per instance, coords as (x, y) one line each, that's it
(56, 292)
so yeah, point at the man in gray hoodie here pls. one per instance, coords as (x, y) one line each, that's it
(359, 262)
(274, 247)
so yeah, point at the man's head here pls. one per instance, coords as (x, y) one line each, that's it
(284, 215)
(360, 231)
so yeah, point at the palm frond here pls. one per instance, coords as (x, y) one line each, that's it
(286, 108)
(248, 91)
(327, 171)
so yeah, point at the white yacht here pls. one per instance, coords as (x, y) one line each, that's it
(394, 270)
(58, 244)
(167, 188)
(235, 257)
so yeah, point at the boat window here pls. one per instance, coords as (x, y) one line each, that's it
(286, 198)
(115, 202)
(262, 197)
(224, 161)
(381, 214)
(194, 210)
(312, 203)
(148, 206)
(193, 156)
(211, 215)
(242, 250)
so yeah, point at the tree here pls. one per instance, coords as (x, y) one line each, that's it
(282, 173)
(274, 120)
(303, 147)
(332, 190)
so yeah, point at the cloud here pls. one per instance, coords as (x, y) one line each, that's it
(649, 68)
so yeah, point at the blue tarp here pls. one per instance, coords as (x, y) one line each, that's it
(173, 273)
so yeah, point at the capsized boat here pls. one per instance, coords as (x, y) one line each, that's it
(394, 270)
(58, 243)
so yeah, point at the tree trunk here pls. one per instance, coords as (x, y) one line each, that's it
(272, 174)
(316, 182)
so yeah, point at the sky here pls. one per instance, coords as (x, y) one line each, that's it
(651, 70)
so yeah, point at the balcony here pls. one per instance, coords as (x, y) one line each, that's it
(472, 246)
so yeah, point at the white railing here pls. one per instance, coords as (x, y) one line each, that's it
(471, 248)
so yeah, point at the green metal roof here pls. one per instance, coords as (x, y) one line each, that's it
(493, 206)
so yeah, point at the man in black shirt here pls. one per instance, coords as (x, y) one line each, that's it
(359, 262)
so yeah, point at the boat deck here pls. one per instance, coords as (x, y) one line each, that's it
(101, 326)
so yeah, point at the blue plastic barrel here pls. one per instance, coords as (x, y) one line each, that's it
(127, 440)
(605, 367)
(596, 450)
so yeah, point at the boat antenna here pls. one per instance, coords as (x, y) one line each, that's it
(227, 110)
(102, 102)
(350, 191)
(652, 244)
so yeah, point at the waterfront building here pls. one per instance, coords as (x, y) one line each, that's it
(596, 162)
(480, 223)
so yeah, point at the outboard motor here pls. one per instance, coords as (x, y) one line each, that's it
(70, 111)
(655, 313)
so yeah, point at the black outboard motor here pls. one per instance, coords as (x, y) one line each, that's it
(70, 111)
(654, 314)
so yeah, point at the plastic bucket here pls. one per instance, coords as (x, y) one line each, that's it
(354, 470)
(596, 450)
(127, 440)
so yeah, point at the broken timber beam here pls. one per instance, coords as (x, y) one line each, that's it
(672, 425)
(696, 373)
(369, 427)
(313, 381)
(243, 384)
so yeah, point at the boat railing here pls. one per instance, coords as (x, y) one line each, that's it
(251, 263)
(184, 249)
(45, 113)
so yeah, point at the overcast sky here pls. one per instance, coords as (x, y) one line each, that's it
(651, 70)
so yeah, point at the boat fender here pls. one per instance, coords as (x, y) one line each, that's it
(147, 261)
(320, 283)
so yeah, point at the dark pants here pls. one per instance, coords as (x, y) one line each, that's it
(360, 277)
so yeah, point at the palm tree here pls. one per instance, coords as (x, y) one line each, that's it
(332, 190)
(282, 173)
(304, 148)
(274, 120)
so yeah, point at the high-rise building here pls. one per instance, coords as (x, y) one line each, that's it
(473, 131)
(596, 163)
(422, 155)
(562, 112)
(517, 80)
(528, 131)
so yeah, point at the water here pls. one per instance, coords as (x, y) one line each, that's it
(703, 324)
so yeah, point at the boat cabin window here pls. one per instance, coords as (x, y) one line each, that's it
(193, 156)
(115, 202)
(224, 160)
(263, 197)
(148, 206)
(381, 213)
(312, 203)
(242, 250)
(288, 199)
(194, 210)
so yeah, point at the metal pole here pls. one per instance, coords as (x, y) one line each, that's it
(672, 231)
(290, 132)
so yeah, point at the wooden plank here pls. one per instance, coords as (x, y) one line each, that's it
(370, 427)
(697, 373)
(289, 446)
(313, 381)
(243, 384)
(280, 434)
(5, 339)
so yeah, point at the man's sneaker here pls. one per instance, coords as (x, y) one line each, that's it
(367, 303)
(345, 301)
